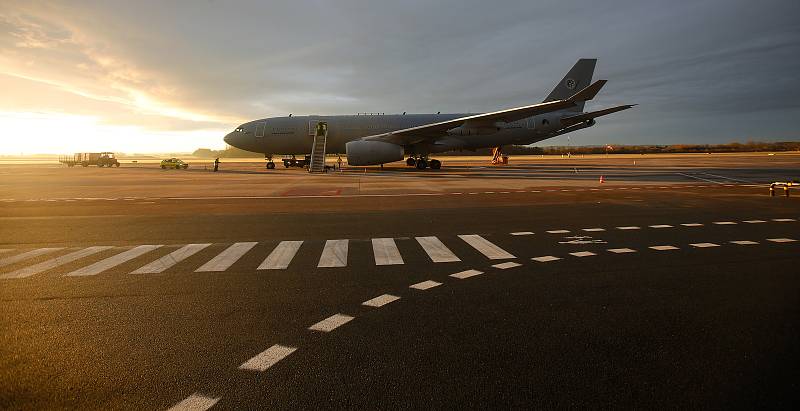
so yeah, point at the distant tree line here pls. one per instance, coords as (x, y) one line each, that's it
(750, 146)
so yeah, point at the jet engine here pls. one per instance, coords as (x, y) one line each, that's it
(370, 153)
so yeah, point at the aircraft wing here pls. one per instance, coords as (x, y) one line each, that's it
(418, 134)
(593, 114)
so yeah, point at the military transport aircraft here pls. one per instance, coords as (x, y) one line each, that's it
(373, 139)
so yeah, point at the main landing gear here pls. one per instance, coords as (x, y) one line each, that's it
(422, 163)
(270, 164)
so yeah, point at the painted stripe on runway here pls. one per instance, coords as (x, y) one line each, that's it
(583, 254)
(744, 242)
(113, 261)
(558, 231)
(438, 252)
(466, 274)
(754, 221)
(26, 255)
(545, 258)
(425, 285)
(783, 220)
(661, 226)
(629, 227)
(594, 229)
(485, 247)
(704, 245)
(380, 300)
(724, 222)
(331, 323)
(663, 247)
(267, 358)
(5, 250)
(621, 250)
(195, 402)
(506, 265)
(281, 256)
(226, 258)
(386, 252)
(334, 254)
(782, 240)
(522, 233)
(171, 259)
(691, 224)
(55, 262)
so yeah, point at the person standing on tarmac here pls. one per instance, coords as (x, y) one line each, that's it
(216, 164)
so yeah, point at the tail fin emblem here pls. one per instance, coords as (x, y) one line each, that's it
(570, 83)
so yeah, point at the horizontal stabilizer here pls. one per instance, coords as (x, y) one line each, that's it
(589, 92)
(594, 114)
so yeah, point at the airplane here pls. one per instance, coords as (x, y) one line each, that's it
(376, 139)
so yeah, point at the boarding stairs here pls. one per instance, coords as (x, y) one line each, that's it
(318, 149)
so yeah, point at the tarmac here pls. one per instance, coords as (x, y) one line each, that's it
(673, 283)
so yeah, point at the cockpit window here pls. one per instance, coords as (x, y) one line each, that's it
(239, 130)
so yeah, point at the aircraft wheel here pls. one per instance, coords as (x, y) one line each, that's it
(411, 162)
(435, 164)
(422, 164)
(270, 165)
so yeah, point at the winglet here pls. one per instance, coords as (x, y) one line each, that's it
(589, 92)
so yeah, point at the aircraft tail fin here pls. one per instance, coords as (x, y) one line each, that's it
(578, 77)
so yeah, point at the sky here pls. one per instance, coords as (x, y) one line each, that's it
(154, 76)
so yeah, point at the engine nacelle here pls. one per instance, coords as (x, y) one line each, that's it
(371, 153)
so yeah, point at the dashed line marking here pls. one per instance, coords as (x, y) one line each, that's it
(226, 258)
(506, 265)
(704, 245)
(594, 229)
(425, 285)
(26, 255)
(621, 250)
(744, 242)
(724, 222)
(171, 259)
(267, 358)
(522, 233)
(782, 240)
(629, 227)
(661, 226)
(663, 247)
(380, 300)
(583, 253)
(436, 250)
(783, 220)
(485, 247)
(558, 231)
(691, 224)
(545, 258)
(113, 261)
(754, 221)
(386, 252)
(195, 402)
(281, 256)
(334, 254)
(466, 274)
(331, 323)
(55, 262)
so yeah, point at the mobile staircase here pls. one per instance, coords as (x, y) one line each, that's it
(318, 149)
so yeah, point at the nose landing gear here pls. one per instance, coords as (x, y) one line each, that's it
(270, 164)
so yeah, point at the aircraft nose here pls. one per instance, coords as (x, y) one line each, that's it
(230, 139)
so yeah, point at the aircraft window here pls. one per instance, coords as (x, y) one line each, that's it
(545, 122)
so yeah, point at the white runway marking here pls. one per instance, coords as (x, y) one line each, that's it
(55, 262)
(506, 265)
(195, 402)
(724, 222)
(522, 233)
(334, 254)
(281, 256)
(661, 226)
(438, 252)
(381, 300)
(558, 231)
(744, 242)
(583, 254)
(754, 221)
(630, 227)
(171, 259)
(704, 245)
(113, 261)
(594, 229)
(267, 358)
(663, 247)
(783, 220)
(425, 285)
(331, 323)
(545, 259)
(691, 224)
(781, 240)
(226, 258)
(26, 255)
(621, 250)
(386, 252)
(5, 250)
(485, 247)
(466, 274)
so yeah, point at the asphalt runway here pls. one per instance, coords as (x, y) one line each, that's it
(672, 284)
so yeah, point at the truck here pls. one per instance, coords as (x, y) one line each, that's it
(104, 159)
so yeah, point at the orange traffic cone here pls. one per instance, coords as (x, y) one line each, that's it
(602, 179)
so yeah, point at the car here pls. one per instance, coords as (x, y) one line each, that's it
(175, 163)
